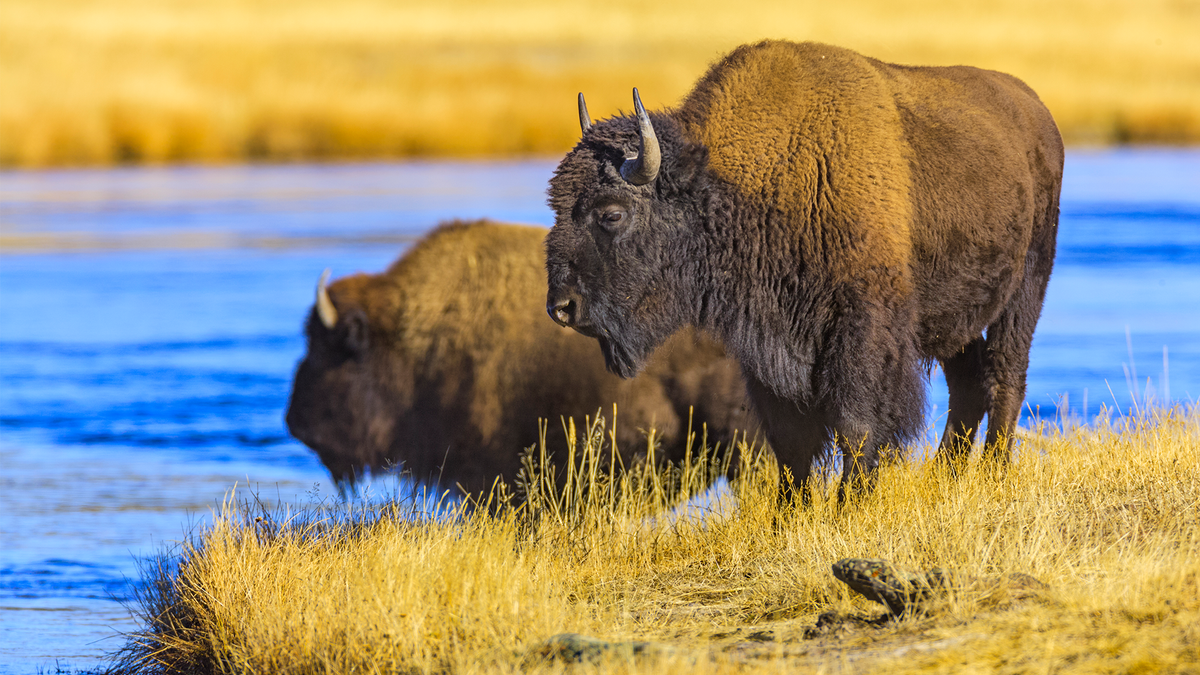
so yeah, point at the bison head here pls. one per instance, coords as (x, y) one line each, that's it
(344, 389)
(623, 239)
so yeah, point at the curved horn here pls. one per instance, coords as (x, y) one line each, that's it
(585, 120)
(325, 308)
(643, 168)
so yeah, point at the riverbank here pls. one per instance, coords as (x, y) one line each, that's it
(135, 81)
(1103, 515)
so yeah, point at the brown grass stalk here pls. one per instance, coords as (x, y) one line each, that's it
(1106, 515)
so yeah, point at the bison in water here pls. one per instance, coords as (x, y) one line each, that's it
(839, 223)
(443, 364)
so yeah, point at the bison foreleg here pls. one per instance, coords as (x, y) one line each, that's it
(874, 390)
(860, 460)
(798, 437)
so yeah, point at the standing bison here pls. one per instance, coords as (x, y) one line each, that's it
(839, 223)
(443, 364)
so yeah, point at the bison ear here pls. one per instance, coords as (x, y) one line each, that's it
(355, 331)
(688, 165)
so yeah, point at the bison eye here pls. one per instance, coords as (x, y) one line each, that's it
(613, 217)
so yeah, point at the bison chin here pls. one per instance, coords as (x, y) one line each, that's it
(627, 352)
(619, 360)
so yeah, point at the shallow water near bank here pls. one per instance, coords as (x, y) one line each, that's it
(150, 320)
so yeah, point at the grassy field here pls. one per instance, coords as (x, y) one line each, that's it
(85, 82)
(1105, 515)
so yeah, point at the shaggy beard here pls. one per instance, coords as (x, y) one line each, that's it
(618, 359)
(627, 346)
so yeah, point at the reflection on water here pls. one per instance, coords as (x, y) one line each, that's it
(147, 372)
(265, 206)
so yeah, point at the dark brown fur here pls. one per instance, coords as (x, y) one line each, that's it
(443, 364)
(839, 222)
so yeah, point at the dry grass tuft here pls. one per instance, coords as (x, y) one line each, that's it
(1106, 515)
(119, 81)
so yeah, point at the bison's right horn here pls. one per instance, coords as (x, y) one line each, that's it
(585, 120)
(643, 168)
(325, 308)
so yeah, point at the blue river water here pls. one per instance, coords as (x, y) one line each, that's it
(150, 320)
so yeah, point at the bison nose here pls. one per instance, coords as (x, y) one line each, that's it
(563, 311)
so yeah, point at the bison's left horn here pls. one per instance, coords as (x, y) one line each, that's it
(325, 308)
(643, 168)
(585, 120)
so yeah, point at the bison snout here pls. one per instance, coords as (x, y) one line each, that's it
(563, 312)
(564, 308)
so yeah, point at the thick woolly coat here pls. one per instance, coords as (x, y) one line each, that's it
(839, 223)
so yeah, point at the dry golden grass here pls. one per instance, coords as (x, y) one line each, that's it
(1106, 515)
(103, 81)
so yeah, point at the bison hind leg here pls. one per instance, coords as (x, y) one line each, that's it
(1009, 339)
(966, 377)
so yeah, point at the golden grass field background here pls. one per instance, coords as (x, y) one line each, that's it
(1104, 514)
(93, 82)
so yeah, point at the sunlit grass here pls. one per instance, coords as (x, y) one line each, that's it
(1104, 514)
(104, 81)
